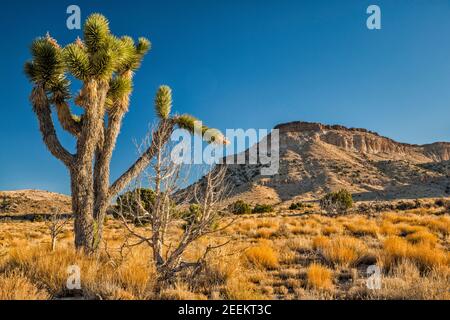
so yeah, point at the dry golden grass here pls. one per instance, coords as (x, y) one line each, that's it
(99, 277)
(319, 277)
(423, 236)
(294, 257)
(424, 255)
(405, 281)
(14, 286)
(320, 242)
(331, 230)
(362, 227)
(262, 256)
(265, 233)
(343, 250)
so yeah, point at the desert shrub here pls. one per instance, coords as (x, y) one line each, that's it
(6, 204)
(193, 215)
(337, 202)
(296, 206)
(375, 206)
(240, 207)
(262, 208)
(442, 203)
(408, 205)
(439, 202)
(129, 203)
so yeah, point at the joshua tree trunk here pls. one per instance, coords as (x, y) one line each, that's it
(82, 208)
(104, 64)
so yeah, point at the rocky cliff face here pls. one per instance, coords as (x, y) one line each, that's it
(316, 158)
(365, 141)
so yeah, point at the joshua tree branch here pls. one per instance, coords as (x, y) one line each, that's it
(160, 136)
(102, 164)
(43, 113)
(67, 119)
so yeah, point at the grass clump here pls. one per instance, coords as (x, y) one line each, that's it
(262, 256)
(319, 277)
(422, 254)
(340, 251)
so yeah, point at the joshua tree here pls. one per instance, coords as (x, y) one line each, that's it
(105, 65)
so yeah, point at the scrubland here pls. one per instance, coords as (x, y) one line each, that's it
(282, 255)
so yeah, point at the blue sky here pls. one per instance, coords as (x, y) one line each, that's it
(244, 64)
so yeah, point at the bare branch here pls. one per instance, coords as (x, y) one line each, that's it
(161, 135)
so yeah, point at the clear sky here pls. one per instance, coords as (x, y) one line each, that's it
(244, 64)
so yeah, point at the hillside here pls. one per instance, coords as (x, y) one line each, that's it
(33, 202)
(317, 158)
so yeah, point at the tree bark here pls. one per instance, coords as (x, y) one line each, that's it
(82, 179)
(82, 207)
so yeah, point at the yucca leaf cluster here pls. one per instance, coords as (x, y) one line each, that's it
(104, 58)
(100, 56)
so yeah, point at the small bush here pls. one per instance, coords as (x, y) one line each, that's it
(408, 205)
(129, 202)
(296, 206)
(337, 202)
(240, 207)
(6, 204)
(262, 208)
(439, 202)
(442, 203)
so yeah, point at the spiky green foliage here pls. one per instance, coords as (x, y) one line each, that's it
(119, 88)
(212, 135)
(144, 45)
(103, 61)
(96, 32)
(163, 102)
(186, 122)
(99, 55)
(47, 67)
(131, 54)
(60, 90)
(76, 59)
(189, 123)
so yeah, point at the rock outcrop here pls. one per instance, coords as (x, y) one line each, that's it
(317, 158)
